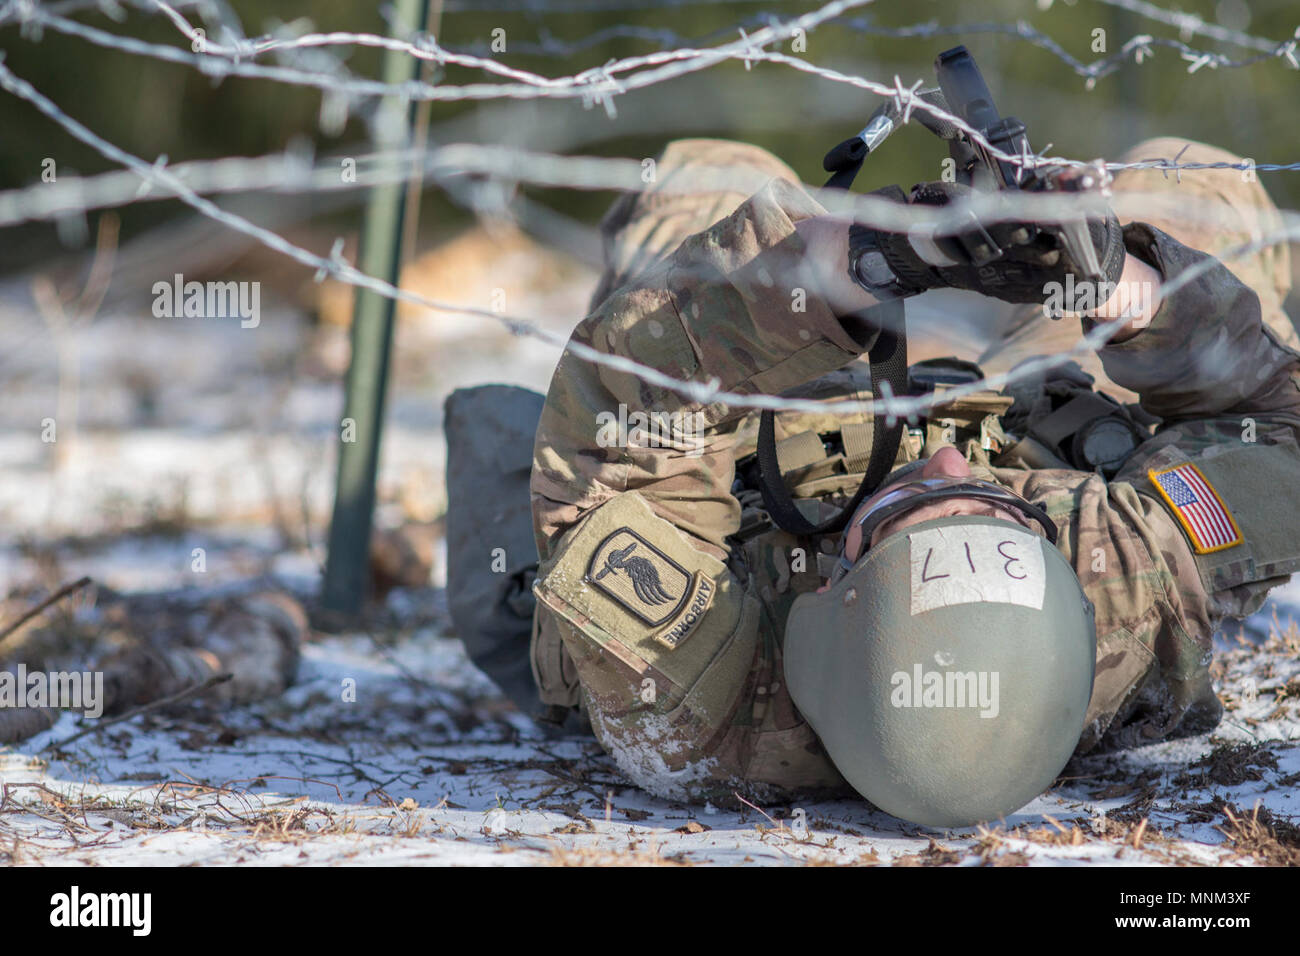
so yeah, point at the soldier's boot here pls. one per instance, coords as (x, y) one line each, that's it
(491, 552)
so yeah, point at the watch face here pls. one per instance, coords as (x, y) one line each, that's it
(873, 270)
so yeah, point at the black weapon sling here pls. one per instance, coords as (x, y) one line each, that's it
(888, 364)
(888, 358)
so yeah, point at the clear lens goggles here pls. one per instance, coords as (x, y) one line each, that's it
(912, 494)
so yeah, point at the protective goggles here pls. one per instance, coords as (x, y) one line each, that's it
(913, 494)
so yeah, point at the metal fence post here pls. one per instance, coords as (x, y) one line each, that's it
(347, 566)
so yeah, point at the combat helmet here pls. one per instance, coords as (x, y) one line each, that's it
(947, 670)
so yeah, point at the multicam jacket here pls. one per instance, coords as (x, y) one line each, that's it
(664, 619)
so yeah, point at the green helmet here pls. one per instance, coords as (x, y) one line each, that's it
(948, 672)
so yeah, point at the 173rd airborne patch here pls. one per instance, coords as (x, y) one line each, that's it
(651, 585)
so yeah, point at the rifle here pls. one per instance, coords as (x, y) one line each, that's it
(963, 93)
(968, 98)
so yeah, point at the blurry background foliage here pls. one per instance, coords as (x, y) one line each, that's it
(150, 107)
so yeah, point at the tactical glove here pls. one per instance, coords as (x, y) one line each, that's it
(1012, 260)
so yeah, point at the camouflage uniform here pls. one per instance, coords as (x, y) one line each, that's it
(680, 670)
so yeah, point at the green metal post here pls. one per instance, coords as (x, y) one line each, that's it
(347, 566)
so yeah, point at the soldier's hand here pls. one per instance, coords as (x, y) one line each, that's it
(1008, 258)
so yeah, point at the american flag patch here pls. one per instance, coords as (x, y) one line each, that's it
(1198, 508)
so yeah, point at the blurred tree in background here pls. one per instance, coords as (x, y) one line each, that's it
(151, 107)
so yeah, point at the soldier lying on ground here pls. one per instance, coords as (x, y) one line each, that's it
(1008, 597)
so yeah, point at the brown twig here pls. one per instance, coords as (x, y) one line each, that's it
(280, 776)
(54, 598)
(1137, 836)
(759, 809)
(191, 691)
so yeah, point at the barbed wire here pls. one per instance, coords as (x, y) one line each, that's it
(598, 85)
(594, 85)
(709, 392)
(745, 49)
(1188, 24)
(295, 171)
(217, 67)
(21, 9)
(521, 166)
(1138, 49)
(1139, 45)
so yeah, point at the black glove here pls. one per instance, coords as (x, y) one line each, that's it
(1012, 260)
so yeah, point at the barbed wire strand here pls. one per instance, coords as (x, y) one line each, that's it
(594, 85)
(1190, 24)
(1138, 48)
(655, 68)
(294, 171)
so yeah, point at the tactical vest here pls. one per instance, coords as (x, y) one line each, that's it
(1054, 422)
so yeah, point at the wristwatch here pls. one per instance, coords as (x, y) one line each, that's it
(869, 268)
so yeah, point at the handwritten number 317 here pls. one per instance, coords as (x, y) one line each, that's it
(970, 561)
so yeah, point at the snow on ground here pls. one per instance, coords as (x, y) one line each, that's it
(218, 438)
(428, 764)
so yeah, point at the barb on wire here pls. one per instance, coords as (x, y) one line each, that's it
(423, 47)
(1136, 49)
(670, 63)
(897, 93)
(1190, 25)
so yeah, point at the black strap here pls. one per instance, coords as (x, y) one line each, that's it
(888, 358)
(888, 364)
(844, 161)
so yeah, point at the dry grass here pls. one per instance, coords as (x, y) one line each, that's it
(1261, 836)
(936, 854)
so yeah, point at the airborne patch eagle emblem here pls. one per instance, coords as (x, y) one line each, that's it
(650, 585)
